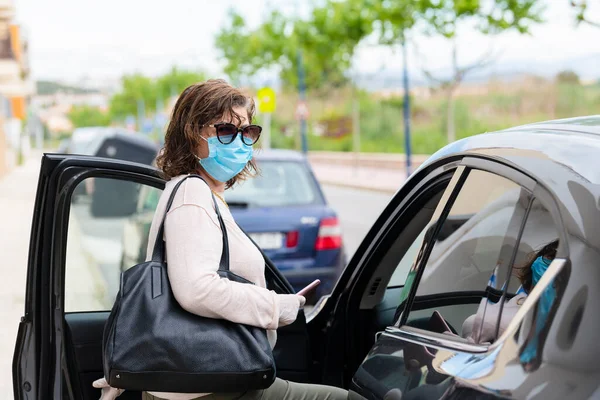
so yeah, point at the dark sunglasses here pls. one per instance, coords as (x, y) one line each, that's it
(227, 132)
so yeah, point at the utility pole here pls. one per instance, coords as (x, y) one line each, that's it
(302, 94)
(406, 109)
(356, 125)
(141, 111)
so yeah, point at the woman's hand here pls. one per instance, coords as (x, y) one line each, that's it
(289, 304)
(108, 393)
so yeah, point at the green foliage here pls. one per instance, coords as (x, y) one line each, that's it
(138, 87)
(326, 42)
(381, 122)
(569, 77)
(135, 87)
(443, 17)
(581, 15)
(175, 81)
(328, 38)
(81, 116)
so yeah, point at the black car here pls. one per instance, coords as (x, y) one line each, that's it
(110, 143)
(394, 325)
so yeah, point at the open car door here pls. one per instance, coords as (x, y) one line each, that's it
(77, 252)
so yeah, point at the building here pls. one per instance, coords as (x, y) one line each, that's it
(16, 86)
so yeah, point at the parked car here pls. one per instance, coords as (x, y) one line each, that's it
(394, 325)
(80, 139)
(111, 143)
(283, 210)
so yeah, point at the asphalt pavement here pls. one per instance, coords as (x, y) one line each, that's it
(357, 211)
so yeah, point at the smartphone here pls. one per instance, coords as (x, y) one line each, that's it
(309, 288)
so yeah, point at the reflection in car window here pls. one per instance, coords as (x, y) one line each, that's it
(401, 272)
(280, 183)
(539, 237)
(108, 233)
(470, 255)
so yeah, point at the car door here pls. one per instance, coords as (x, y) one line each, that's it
(488, 221)
(73, 276)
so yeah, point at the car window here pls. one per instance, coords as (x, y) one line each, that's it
(470, 254)
(279, 183)
(107, 233)
(401, 272)
(148, 199)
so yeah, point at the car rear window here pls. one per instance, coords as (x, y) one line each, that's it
(279, 184)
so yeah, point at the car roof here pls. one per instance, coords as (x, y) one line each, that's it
(279, 155)
(564, 155)
(122, 135)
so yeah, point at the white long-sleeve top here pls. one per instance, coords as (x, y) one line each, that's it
(193, 251)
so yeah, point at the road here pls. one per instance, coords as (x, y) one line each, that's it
(357, 211)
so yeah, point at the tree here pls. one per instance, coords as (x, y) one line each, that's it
(138, 87)
(450, 84)
(444, 17)
(175, 81)
(81, 116)
(580, 7)
(326, 40)
(135, 87)
(569, 77)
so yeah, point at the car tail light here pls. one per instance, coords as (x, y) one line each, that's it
(330, 234)
(291, 239)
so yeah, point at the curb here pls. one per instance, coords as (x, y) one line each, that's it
(358, 187)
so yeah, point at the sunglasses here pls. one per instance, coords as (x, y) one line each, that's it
(227, 132)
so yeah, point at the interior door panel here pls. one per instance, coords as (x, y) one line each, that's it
(85, 342)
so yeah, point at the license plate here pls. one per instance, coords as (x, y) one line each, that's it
(268, 241)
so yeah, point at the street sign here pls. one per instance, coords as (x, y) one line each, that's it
(266, 100)
(302, 110)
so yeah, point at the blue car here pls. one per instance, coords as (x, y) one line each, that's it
(284, 211)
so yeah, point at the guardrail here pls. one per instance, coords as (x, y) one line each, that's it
(371, 160)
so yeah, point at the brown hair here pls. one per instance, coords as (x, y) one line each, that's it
(524, 271)
(198, 105)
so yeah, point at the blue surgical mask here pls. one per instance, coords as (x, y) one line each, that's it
(538, 268)
(225, 161)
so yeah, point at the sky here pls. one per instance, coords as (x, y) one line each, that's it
(102, 40)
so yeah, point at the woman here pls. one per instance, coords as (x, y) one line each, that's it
(481, 327)
(211, 134)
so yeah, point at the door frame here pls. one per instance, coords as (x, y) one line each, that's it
(37, 367)
(334, 326)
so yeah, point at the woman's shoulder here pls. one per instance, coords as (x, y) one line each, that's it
(193, 191)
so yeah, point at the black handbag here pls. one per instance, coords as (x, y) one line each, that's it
(151, 343)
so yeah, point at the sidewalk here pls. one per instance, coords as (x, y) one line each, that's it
(17, 196)
(362, 178)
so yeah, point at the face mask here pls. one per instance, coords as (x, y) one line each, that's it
(539, 266)
(225, 161)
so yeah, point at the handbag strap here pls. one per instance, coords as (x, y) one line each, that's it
(158, 253)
